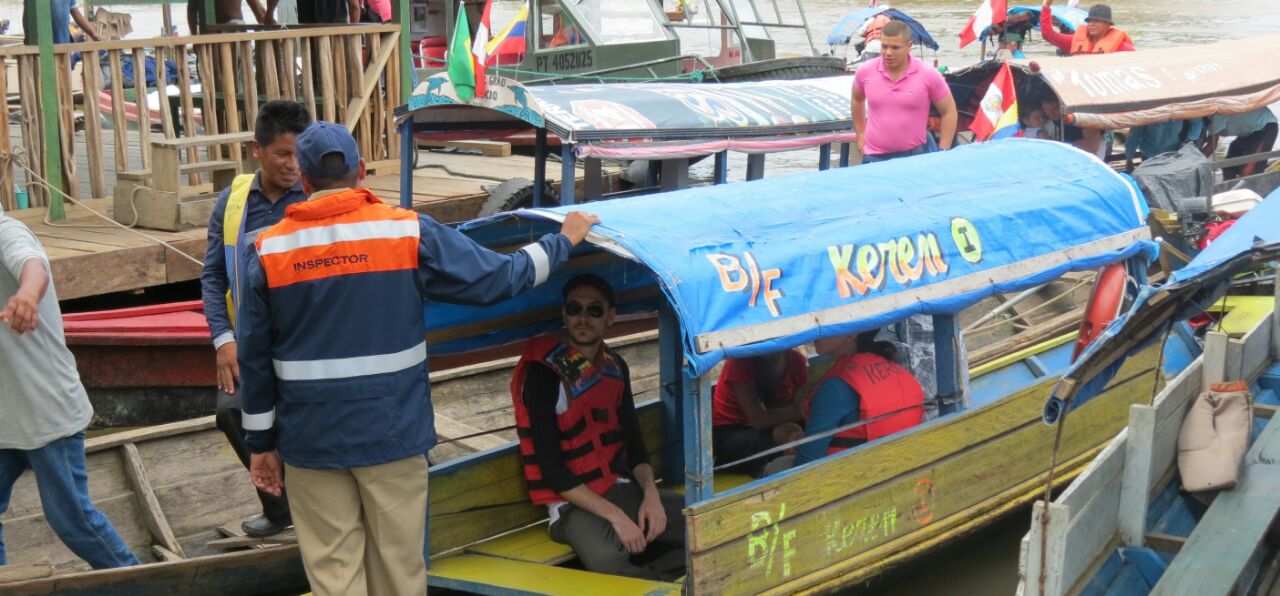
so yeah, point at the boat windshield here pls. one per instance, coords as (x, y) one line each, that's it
(620, 21)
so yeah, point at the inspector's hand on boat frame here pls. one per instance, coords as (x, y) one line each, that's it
(577, 224)
(267, 473)
(228, 368)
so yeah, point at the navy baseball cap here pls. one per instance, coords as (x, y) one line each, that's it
(321, 139)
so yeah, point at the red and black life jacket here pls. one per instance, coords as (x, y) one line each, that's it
(1109, 44)
(591, 440)
(883, 387)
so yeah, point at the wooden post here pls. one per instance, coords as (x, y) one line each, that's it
(675, 174)
(143, 110)
(592, 185)
(670, 383)
(308, 78)
(568, 173)
(1275, 318)
(1215, 359)
(327, 89)
(229, 96)
(539, 166)
(49, 105)
(401, 15)
(8, 200)
(406, 166)
(824, 157)
(844, 155)
(722, 167)
(945, 332)
(1136, 483)
(698, 466)
(250, 84)
(119, 127)
(755, 166)
(67, 126)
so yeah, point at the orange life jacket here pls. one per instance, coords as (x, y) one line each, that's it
(591, 439)
(883, 387)
(1110, 43)
(876, 28)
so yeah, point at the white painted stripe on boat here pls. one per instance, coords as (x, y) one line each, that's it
(263, 421)
(541, 262)
(346, 232)
(345, 368)
(732, 338)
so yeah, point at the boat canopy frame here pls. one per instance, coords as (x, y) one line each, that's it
(670, 124)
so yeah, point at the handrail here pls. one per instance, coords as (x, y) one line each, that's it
(171, 42)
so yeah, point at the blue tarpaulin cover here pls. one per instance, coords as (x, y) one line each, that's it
(1188, 292)
(758, 266)
(1063, 16)
(847, 27)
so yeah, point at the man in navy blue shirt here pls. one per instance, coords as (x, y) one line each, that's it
(261, 202)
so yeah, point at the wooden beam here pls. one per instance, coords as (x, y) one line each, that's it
(372, 73)
(448, 431)
(43, 36)
(232, 125)
(151, 511)
(1167, 543)
(164, 554)
(141, 107)
(486, 148)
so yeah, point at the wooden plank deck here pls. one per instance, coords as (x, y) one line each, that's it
(92, 257)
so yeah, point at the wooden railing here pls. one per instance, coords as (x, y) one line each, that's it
(348, 74)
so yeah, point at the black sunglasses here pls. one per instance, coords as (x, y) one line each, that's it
(574, 309)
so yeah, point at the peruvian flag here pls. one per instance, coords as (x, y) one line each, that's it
(997, 115)
(992, 12)
(480, 48)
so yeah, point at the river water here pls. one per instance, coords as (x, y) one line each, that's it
(987, 562)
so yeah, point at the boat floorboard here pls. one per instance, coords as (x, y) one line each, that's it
(491, 575)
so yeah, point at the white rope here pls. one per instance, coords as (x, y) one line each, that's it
(19, 157)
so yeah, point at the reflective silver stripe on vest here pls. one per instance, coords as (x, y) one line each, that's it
(541, 262)
(344, 232)
(263, 421)
(345, 368)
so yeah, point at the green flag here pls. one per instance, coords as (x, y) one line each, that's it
(462, 71)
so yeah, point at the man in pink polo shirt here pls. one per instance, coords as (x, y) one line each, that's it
(891, 99)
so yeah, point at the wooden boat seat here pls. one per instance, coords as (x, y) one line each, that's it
(208, 166)
(472, 572)
(534, 544)
(1218, 552)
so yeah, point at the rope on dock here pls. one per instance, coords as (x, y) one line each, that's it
(19, 157)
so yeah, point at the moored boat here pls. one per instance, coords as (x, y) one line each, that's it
(1127, 526)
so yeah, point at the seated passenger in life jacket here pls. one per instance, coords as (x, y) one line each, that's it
(754, 406)
(863, 385)
(584, 456)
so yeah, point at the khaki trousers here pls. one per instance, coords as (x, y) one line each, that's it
(361, 530)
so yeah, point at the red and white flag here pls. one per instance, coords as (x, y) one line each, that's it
(992, 12)
(480, 49)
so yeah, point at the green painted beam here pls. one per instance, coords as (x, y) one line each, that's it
(43, 36)
(400, 14)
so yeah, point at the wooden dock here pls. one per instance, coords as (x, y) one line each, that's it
(90, 256)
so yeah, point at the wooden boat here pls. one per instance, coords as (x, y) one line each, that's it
(843, 518)
(166, 489)
(1124, 527)
(850, 516)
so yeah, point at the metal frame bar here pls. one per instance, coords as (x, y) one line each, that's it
(670, 358)
(721, 167)
(699, 466)
(946, 331)
(568, 173)
(844, 155)
(539, 166)
(755, 166)
(824, 157)
(408, 150)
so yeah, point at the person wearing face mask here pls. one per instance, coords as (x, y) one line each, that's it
(583, 453)
(253, 201)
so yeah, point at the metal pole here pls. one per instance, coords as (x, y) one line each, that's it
(824, 157)
(407, 150)
(670, 358)
(755, 166)
(844, 155)
(539, 166)
(945, 332)
(722, 167)
(568, 174)
(49, 106)
(698, 463)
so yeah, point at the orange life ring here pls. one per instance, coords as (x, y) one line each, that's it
(1104, 305)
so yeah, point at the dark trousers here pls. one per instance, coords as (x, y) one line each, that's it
(600, 550)
(228, 418)
(1259, 141)
(732, 442)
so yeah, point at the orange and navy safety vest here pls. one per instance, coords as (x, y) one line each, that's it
(591, 440)
(348, 350)
(1110, 43)
(883, 387)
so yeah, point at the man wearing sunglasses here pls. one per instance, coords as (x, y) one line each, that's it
(583, 452)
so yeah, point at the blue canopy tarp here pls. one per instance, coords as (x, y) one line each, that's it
(847, 27)
(1189, 291)
(755, 267)
(1065, 17)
